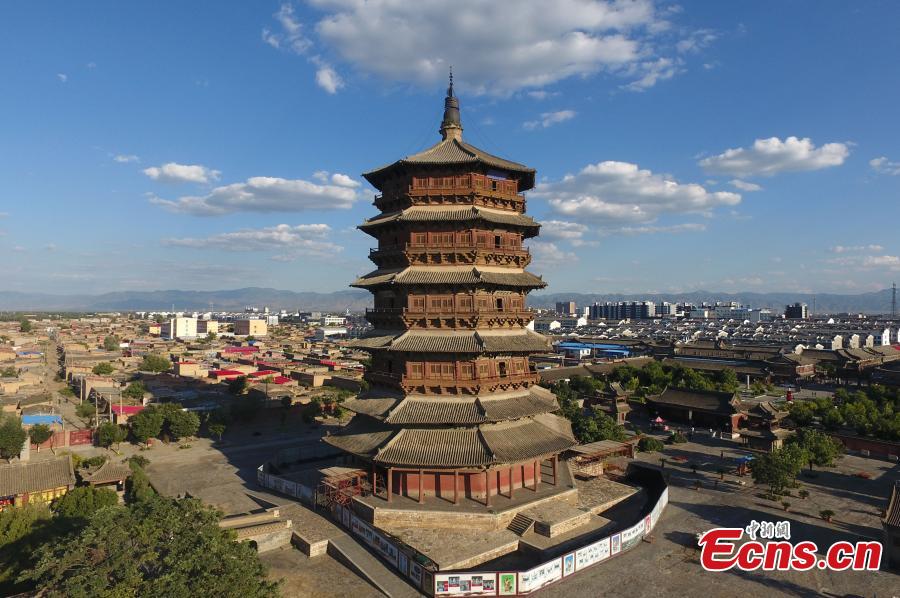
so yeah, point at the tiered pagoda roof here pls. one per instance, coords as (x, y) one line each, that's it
(450, 385)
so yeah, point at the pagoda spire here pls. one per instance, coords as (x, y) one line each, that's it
(451, 127)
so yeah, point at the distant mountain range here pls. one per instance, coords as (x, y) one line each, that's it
(338, 301)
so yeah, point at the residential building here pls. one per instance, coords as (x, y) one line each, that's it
(179, 328)
(566, 308)
(254, 328)
(797, 311)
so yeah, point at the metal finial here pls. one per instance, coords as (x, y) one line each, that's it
(450, 89)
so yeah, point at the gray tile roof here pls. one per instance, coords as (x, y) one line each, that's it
(454, 152)
(455, 214)
(449, 342)
(414, 275)
(19, 478)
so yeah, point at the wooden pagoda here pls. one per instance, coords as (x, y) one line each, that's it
(453, 407)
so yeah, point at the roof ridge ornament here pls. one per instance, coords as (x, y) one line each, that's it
(451, 125)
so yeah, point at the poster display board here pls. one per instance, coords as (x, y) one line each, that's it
(592, 554)
(540, 576)
(465, 584)
(632, 535)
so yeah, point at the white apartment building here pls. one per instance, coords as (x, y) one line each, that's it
(179, 328)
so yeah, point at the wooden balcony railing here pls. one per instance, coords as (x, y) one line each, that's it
(419, 247)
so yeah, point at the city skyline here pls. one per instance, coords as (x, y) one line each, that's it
(677, 148)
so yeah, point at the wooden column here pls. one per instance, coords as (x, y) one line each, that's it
(538, 466)
(421, 491)
(374, 480)
(390, 483)
(487, 488)
(510, 482)
(555, 476)
(537, 474)
(455, 487)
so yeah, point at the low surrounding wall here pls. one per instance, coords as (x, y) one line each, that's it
(519, 583)
(869, 447)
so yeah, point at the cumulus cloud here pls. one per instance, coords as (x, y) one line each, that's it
(328, 79)
(62, 77)
(126, 158)
(615, 194)
(885, 166)
(497, 49)
(299, 240)
(770, 156)
(172, 172)
(650, 72)
(561, 230)
(744, 185)
(881, 261)
(265, 194)
(548, 119)
(548, 255)
(857, 249)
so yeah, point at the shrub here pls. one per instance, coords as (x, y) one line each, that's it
(677, 438)
(826, 514)
(648, 444)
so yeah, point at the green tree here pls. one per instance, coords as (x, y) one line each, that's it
(182, 424)
(820, 448)
(22, 531)
(78, 504)
(109, 434)
(12, 436)
(137, 487)
(103, 368)
(40, 434)
(111, 343)
(134, 390)
(779, 468)
(216, 429)
(237, 386)
(25, 325)
(154, 363)
(146, 424)
(158, 547)
(8, 372)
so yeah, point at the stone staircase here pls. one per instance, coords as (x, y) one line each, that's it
(520, 524)
(349, 552)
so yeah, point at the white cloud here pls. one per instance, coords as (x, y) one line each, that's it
(651, 72)
(62, 77)
(696, 41)
(857, 249)
(687, 227)
(617, 193)
(494, 47)
(562, 230)
(549, 255)
(770, 156)
(299, 240)
(548, 119)
(342, 180)
(291, 36)
(885, 166)
(744, 185)
(126, 158)
(541, 94)
(328, 79)
(881, 261)
(264, 194)
(173, 172)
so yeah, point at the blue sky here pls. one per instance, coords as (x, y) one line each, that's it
(211, 145)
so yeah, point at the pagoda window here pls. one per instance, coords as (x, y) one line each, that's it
(448, 370)
(501, 368)
(498, 241)
(434, 370)
(466, 370)
(482, 240)
(519, 366)
(415, 370)
(417, 303)
(514, 242)
(464, 302)
(499, 304)
(484, 369)
(447, 303)
(483, 302)
(419, 239)
(465, 238)
(446, 239)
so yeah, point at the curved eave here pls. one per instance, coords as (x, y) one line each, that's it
(453, 153)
